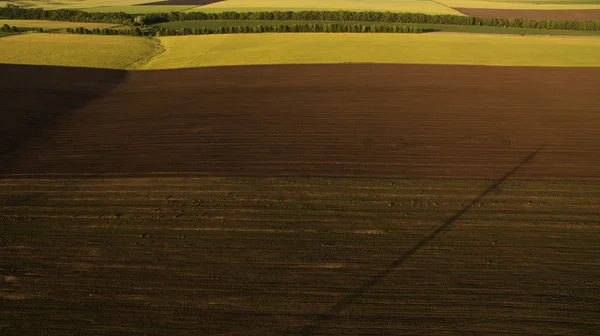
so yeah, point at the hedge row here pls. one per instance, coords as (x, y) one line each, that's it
(302, 28)
(107, 31)
(374, 17)
(18, 13)
(8, 29)
(296, 28)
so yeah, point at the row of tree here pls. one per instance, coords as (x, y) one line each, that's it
(295, 28)
(374, 17)
(107, 31)
(8, 29)
(14, 12)
(19, 13)
(301, 28)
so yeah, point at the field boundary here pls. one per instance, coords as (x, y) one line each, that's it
(143, 60)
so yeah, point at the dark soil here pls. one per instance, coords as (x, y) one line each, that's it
(571, 14)
(319, 120)
(211, 201)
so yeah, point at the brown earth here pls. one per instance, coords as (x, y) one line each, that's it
(401, 121)
(181, 211)
(180, 2)
(533, 14)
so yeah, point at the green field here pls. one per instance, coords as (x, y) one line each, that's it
(118, 52)
(527, 4)
(192, 51)
(216, 24)
(55, 24)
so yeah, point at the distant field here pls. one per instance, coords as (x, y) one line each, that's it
(138, 9)
(215, 24)
(416, 6)
(192, 51)
(4, 34)
(123, 52)
(529, 4)
(54, 24)
(74, 3)
(118, 52)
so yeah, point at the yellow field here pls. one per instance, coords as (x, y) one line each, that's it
(515, 4)
(54, 24)
(75, 3)
(123, 52)
(416, 6)
(117, 52)
(193, 51)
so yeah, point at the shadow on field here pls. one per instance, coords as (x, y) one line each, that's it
(368, 285)
(36, 98)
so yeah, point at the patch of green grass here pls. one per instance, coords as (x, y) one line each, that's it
(4, 34)
(302, 48)
(216, 24)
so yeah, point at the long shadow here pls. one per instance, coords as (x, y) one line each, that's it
(368, 285)
(36, 98)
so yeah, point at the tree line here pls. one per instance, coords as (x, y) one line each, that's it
(8, 29)
(154, 18)
(108, 31)
(296, 28)
(15, 12)
(18, 13)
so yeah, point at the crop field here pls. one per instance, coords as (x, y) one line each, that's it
(122, 52)
(300, 200)
(118, 52)
(536, 10)
(149, 6)
(524, 5)
(73, 3)
(588, 14)
(139, 9)
(55, 24)
(192, 51)
(416, 6)
(427, 28)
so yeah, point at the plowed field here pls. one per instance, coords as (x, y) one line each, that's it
(300, 200)
(567, 14)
